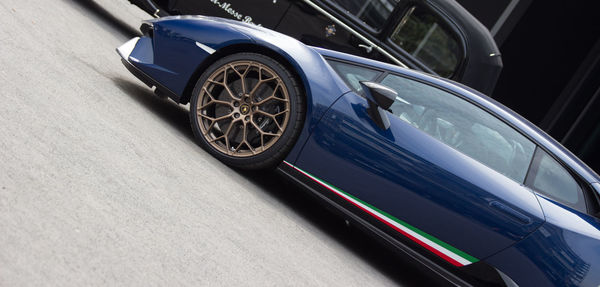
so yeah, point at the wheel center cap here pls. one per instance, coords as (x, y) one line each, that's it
(244, 109)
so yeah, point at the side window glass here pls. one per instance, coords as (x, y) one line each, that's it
(353, 74)
(550, 178)
(373, 12)
(421, 34)
(462, 126)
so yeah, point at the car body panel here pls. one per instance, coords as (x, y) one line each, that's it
(564, 251)
(414, 177)
(171, 39)
(399, 180)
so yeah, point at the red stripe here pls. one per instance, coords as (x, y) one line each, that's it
(428, 247)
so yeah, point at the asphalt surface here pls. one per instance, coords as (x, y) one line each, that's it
(101, 182)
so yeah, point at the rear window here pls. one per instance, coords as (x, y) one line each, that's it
(550, 178)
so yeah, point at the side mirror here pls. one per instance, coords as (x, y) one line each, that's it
(380, 99)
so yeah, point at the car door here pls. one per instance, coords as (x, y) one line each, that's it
(447, 175)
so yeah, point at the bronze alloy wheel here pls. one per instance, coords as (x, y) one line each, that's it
(243, 108)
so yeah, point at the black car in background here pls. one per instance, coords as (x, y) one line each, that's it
(435, 36)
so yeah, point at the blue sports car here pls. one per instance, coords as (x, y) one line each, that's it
(435, 169)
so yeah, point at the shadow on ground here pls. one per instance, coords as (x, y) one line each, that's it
(397, 267)
(173, 114)
(108, 18)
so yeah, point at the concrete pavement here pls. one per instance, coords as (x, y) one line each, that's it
(101, 182)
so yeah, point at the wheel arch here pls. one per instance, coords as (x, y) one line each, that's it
(315, 78)
(251, 48)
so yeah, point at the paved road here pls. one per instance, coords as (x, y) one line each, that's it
(102, 184)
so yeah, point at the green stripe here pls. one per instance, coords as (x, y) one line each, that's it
(416, 230)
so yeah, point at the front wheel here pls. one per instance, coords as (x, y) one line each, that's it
(247, 110)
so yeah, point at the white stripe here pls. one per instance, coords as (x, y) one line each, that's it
(434, 245)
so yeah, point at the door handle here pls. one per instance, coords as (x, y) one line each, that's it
(366, 47)
(520, 217)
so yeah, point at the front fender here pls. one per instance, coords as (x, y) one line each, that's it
(181, 44)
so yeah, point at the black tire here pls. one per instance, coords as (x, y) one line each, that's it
(256, 95)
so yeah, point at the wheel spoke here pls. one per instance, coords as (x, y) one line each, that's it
(262, 141)
(260, 75)
(273, 96)
(207, 117)
(215, 139)
(226, 84)
(214, 121)
(218, 118)
(261, 102)
(272, 117)
(253, 91)
(243, 141)
(259, 83)
(266, 133)
(226, 135)
(212, 101)
(215, 82)
(242, 76)
(281, 113)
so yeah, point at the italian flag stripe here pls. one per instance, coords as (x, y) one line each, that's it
(438, 247)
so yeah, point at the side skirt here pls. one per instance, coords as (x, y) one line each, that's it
(297, 178)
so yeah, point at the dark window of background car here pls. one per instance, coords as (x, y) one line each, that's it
(424, 35)
(373, 13)
(354, 74)
(462, 126)
(550, 178)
